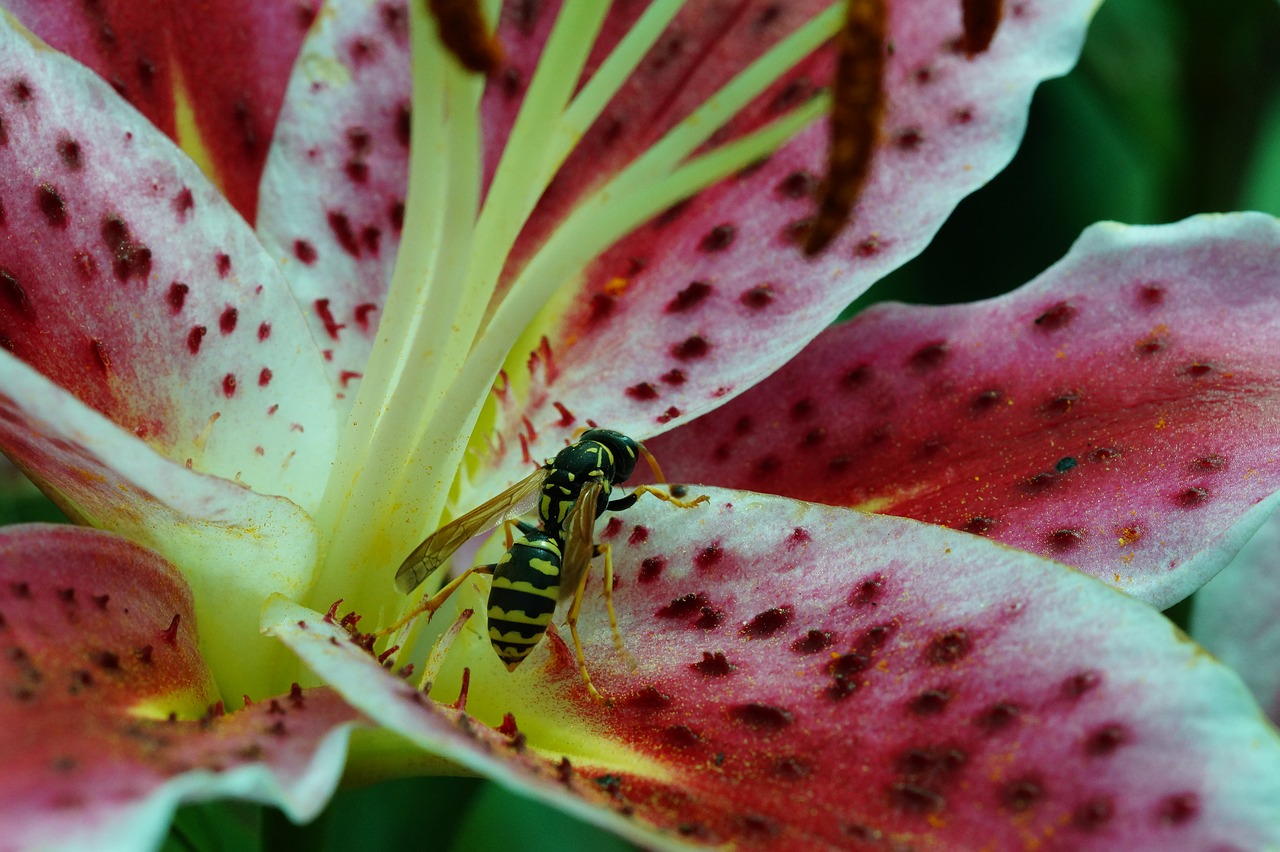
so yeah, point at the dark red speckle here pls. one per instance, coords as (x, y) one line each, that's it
(647, 698)
(331, 325)
(681, 736)
(718, 238)
(264, 377)
(20, 90)
(1093, 814)
(757, 298)
(183, 203)
(1190, 498)
(690, 297)
(222, 262)
(1178, 809)
(1198, 369)
(264, 331)
(767, 623)
(1066, 539)
(642, 392)
(194, 338)
(70, 153)
(931, 702)
(651, 569)
(1105, 740)
(131, 258)
(949, 647)
(639, 535)
(909, 139)
(673, 377)
(177, 296)
(979, 525)
(798, 184)
(709, 557)
(1056, 317)
(691, 348)
(16, 295)
(683, 606)
(1080, 683)
(612, 528)
(227, 322)
(998, 717)
(50, 202)
(1151, 294)
(345, 235)
(304, 251)
(713, 665)
(1021, 794)
(928, 357)
(799, 536)
(761, 717)
(229, 385)
(813, 642)
(868, 591)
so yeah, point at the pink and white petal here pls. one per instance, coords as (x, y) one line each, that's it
(233, 545)
(333, 191)
(698, 305)
(210, 76)
(1119, 413)
(1237, 616)
(107, 703)
(127, 279)
(444, 731)
(804, 676)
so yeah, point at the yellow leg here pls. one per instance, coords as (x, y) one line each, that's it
(607, 552)
(641, 490)
(572, 620)
(429, 605)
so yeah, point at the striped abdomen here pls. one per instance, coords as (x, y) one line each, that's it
(525, 590)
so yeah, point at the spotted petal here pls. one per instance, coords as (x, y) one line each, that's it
(154, 363)
(705, 300)
(108, 708)
(809, 677)
(1117, 413)
(211, 76)
(333, 193)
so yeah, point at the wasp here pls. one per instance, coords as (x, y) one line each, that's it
(546, 564)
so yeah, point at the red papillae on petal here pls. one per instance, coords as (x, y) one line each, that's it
(1117, 414)
(97, 649)
(128, 281)
(228, 62)
(807, 677)
(333, 193)
(951, 123)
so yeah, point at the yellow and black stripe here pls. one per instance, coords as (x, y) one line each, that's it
(524, 594)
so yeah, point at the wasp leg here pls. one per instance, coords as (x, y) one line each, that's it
(572, 620)
(607, 552)
(429, 605)
(630, 500)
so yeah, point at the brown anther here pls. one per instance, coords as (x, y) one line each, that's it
(981, 19)
(856, 114)
(466, 35)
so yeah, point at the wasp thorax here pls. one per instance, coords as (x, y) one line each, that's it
(625, 451)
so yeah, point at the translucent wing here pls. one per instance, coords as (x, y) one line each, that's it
(579, 538)
(441, 544)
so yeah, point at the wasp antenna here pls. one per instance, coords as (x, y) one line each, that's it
(653, 464)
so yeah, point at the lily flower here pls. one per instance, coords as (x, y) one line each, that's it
(251, 424)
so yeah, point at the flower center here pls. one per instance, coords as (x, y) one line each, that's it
(451, 317)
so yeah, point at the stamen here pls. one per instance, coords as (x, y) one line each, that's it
(855, 119)
(466, 35)
(981, 20)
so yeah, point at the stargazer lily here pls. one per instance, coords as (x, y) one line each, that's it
(251, 424)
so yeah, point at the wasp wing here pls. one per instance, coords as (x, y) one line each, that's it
(441, 544)
(579, 538)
